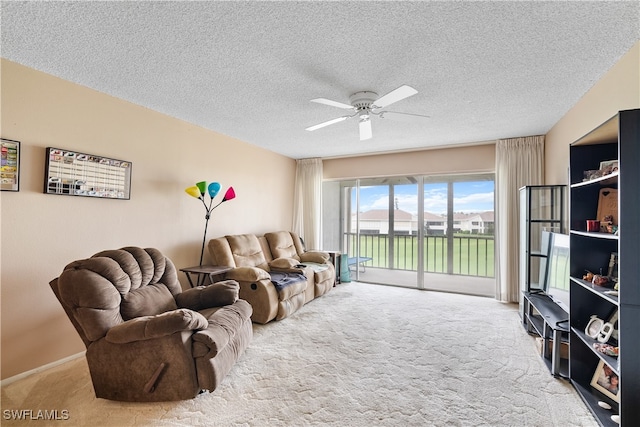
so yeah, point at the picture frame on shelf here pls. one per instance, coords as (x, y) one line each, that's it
(607, 212)
(593, 327)
(609, 166)
(606, 381)
(10, 167)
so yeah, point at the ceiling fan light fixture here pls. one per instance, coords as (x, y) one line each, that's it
(365, 129)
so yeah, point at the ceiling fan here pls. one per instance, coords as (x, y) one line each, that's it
(364, 104)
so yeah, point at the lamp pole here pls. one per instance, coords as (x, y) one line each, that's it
(206, 223)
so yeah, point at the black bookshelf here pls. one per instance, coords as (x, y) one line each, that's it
(617, 139)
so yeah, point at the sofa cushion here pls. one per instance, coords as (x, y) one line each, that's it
(322, 275)
(282, 245)
(221, 252)
(316, 267)
(288, 284)
(247, 251)
(290, 306)
(147, 301)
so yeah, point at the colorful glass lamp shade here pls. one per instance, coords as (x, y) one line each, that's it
(199, 191)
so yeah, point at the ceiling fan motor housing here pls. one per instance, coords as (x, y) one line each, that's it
(363, 100)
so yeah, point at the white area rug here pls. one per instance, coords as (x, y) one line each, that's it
(362, 355)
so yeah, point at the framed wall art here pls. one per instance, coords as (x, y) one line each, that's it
(10, 165)
(72, 173)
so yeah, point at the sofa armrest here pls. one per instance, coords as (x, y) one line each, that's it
(248, 274)
(215, 295)
(224, 323)
(149, 327)
(263, 297)
(315, 256)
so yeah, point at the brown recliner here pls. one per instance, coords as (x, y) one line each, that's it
(146, 339)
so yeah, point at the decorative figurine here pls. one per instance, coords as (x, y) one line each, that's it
(607, 349)
(598, 279)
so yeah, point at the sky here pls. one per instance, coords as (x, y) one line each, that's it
(472, 196)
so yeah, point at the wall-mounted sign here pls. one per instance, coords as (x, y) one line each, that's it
(79, 174)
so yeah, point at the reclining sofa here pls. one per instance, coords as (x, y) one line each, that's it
(146, 339)
(276, 274)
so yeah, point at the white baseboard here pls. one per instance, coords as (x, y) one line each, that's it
(39, 369)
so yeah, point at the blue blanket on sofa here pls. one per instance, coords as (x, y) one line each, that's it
(282, 279)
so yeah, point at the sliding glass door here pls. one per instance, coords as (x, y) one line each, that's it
(425, 232)
(380, 228)
(459, 234)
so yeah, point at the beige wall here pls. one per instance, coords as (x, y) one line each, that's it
(468, 159)
(42, 233)
(618, 90)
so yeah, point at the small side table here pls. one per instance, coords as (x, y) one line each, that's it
(204, 271)
(335, 257)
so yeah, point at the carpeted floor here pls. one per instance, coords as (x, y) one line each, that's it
(362, 355)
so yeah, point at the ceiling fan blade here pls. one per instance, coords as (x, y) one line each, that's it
(395, 95)
(365, 130)
(401, 116)
(332, 103)
(327, 123)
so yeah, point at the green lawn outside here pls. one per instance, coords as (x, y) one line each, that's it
(473, 255)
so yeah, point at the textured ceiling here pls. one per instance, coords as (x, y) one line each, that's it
(483, 70)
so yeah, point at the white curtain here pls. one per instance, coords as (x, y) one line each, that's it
(307, 202)
(519, 162)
